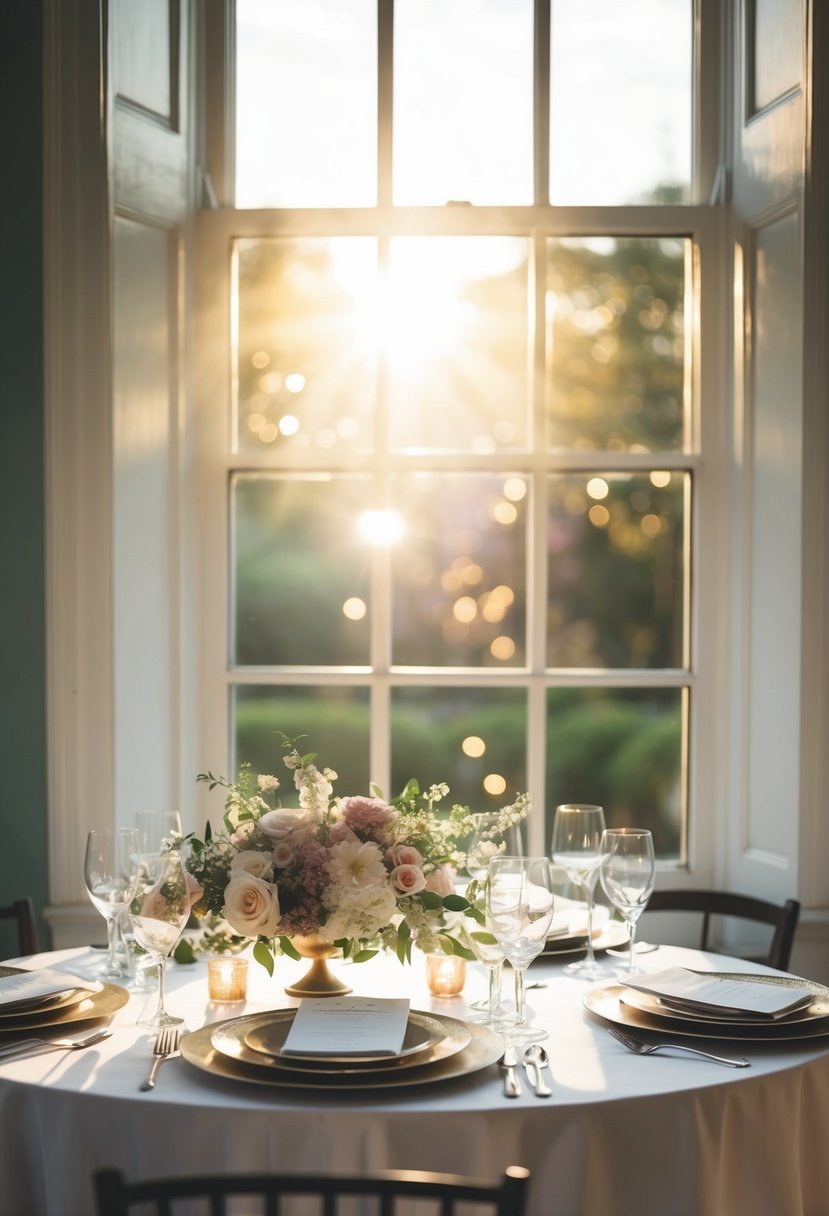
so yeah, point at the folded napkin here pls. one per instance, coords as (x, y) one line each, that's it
(34, 989)
(721, 996)
(348, 1025)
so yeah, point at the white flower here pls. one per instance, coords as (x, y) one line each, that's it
(259, 865)
(286, 823)
(266, 782)
(357, 911)
(241, 834)
(251, 906)
(282, 855)
(353, 863)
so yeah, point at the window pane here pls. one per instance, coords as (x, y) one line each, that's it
(457, 343)
(463, 101)
(301, 590)
(306, 103)
(617, 347)
(615, 586)
(621, 101)
(459, 571)
(306, 353)
(620, 749)
(474, 739)
(334, 722)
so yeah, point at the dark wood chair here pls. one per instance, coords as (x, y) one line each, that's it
(22, 910)
(446, 1193)
(782, 917)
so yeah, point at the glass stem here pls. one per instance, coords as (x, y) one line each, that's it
(632, 937)
(494, 970)
(111, 941)
(162, 963)
(519, 996)
(588, 890)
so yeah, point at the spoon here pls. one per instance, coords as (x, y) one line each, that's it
(536, 1058)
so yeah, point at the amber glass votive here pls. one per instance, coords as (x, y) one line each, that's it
(445, 974)
(227, 979)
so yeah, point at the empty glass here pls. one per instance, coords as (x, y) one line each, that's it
(519, 908)
(628, 872)
(110, 872)
(158, 913)
(577, 836)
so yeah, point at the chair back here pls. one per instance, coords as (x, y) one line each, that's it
(390, 1189)
(22, 910)
(782, 917)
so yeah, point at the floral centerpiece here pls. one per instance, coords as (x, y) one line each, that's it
(359, 872)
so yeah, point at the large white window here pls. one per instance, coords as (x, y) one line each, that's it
(456, 403)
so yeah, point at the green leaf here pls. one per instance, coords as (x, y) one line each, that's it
(404, 930)
(455, 903)
(431, 899)
(486, 939)
(362, 956)
(477, 915)
(183, 952)
(462, 952)
(263, 955)
(447, 945)
(289, 948)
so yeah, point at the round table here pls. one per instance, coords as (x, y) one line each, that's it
(635, 1136)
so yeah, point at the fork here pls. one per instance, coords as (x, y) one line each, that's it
(35, 1046)
(648, 1049)
(165, 1047)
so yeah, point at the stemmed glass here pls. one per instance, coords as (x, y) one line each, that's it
(577, 836)
(628, 873)
(110, 871)
(519, 908)
(158, 913)
(485, 843)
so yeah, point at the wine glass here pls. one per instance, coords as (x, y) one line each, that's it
(110, 871)
(158, 913)
(487, 842)
(628, 873)
(519, 908)
(577, 836)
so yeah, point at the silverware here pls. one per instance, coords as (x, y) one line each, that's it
(512, 1086)
(535, 1060)
(164, 1048)
(648, 1049)
(31, 1047)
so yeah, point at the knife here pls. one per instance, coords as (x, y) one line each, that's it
(512, 1086)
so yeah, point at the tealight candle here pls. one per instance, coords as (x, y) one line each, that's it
(445, 974)
(227, 979)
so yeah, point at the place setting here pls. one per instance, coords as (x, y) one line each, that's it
(37, 1008)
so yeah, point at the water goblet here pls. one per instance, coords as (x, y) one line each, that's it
(158, 913)
(519, 908)
(627, 873)
(487, 951)
(577, 835)
(110, 872)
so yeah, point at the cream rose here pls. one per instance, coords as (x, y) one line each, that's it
(251, 906)
(258, 865)
(407, 880)
(286, 823)
(441, 880)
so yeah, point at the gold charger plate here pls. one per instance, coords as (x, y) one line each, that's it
(447, 1037)
(268, 1037)
(93, 1005)
(817, 1008)
(605, 1001)
(484, 1048)
(611, 935)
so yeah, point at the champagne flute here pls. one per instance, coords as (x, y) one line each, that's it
(577, 836)
(158, 913)
(628, 873)
(110, 871)
(519, 908)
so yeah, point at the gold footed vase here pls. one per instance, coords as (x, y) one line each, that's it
(318, 980)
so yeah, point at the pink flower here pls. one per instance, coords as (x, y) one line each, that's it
(194, 891)
(241, 836)
(341, 831)
(361, 813)
(404, 855)
(441, 880)
(407, 880)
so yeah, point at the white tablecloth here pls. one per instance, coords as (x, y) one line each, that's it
(632, 1136)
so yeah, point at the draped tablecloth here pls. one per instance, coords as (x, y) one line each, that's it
(622, 1134)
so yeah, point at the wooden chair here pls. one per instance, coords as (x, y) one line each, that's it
(446, 1193)
(782, 917)
(22, 910)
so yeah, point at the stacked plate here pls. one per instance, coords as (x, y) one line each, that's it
(644, 1011)
(50, 1013)
(250, 1048)
(568, 931)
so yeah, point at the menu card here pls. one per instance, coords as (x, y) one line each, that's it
(696, 992)
(28, 988)
(348, 1025)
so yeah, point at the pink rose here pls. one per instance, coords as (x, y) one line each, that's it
(194, 891)
(341, 831)
(407, 880)
(361, 813)
(404, 855)
(441, 880)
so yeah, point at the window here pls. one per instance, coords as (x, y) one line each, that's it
(452, 396)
